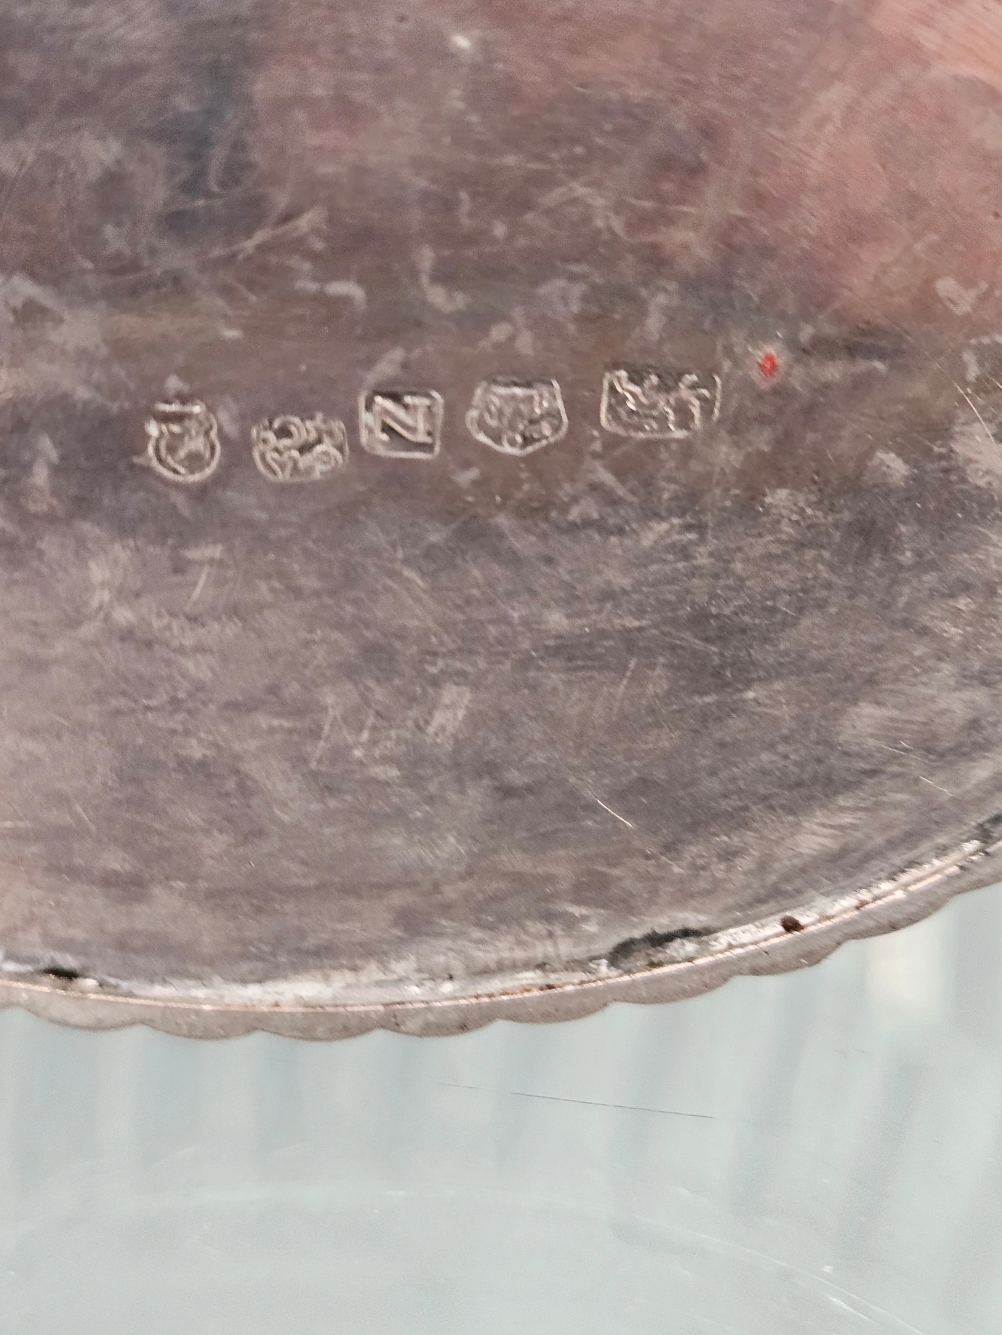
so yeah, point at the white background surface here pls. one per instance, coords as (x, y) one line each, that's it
(813, 1154)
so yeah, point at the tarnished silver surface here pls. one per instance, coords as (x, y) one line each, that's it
(633, 620)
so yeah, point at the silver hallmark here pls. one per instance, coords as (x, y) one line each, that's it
(299, 449)
(517, 417)
(401, 424)
(651, 404)
(182, 441)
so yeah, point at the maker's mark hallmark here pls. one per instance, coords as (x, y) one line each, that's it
(182, 441)
(517, 417)
(650, 404)
(299, 449)
(401, 424)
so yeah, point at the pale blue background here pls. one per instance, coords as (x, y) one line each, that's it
(814, 1154)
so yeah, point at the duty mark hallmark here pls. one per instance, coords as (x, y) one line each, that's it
(182, 441)
(650, 404)
(517, 417)
(299, 449)
(401, 424)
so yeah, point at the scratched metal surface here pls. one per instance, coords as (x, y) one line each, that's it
(497, 514)
(815, 1154)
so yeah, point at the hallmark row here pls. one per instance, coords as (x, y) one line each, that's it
(513, 417)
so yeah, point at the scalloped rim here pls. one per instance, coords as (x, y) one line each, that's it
(687, 968)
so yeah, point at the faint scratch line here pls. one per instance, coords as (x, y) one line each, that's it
(85, 816)
(622, 687)
(203, 577)
(583, 1103)
(967, 396)
(611, 812)
(325, 733)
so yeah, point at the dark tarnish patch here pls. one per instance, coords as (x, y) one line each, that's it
(990, 831)
(863, 343)
(61, 974)
(626, 953)
(158, 172)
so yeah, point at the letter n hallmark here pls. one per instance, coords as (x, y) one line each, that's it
(401, 423)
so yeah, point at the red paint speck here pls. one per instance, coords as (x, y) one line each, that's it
(768, 364)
